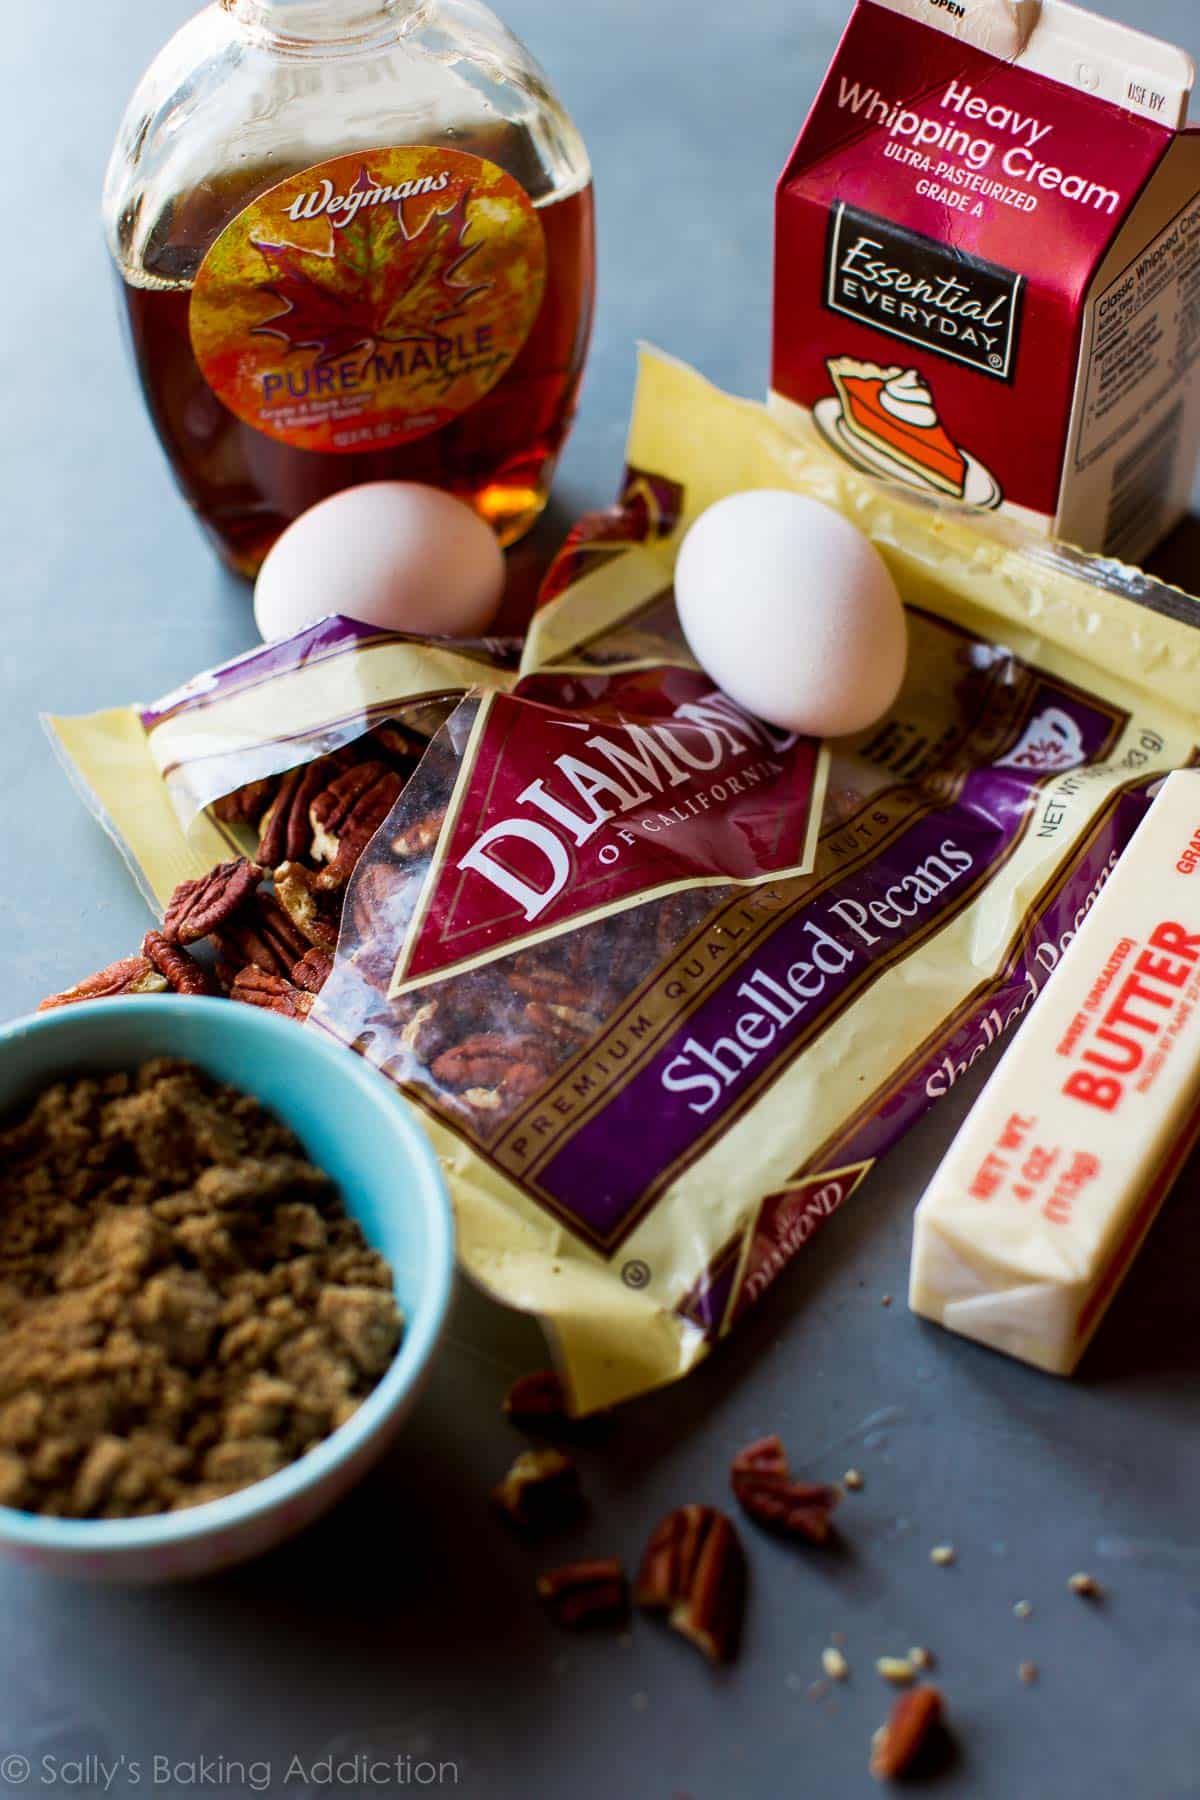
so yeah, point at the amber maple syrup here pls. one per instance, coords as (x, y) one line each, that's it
(288, 168)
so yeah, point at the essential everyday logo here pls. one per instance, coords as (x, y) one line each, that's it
(342, 209)
(922, 291)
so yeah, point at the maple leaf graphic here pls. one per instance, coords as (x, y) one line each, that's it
(379, 282)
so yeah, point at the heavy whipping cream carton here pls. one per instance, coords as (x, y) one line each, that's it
(987, 276)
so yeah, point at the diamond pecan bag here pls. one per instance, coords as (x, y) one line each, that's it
(663, 983)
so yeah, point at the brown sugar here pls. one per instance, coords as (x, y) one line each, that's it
(184, 1305)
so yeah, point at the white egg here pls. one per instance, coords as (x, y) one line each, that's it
(792, 612)
(392, 553)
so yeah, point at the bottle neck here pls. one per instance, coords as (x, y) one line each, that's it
(326, 21)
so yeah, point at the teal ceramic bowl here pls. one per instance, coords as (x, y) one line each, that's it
(352, 1125)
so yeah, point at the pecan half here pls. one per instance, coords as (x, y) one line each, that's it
(198, 908)
(762, 1482)
(494, 1060)
(179, 970)
(580, 1595)
(247, 804)
(538, 1400)
(132, 975)
(540, 1493)
(286, 830)
(263, 935)
(256, 987)
(311, 912)
(313, 970)
(897, 1745)
(346, 815)
(694, 1570)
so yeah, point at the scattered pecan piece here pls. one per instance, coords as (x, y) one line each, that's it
(693, 1569)
(198, 908)
(132, 975)
(256, 987)
(179, 970)
(584, 1594)
(541, 1492)
(762, 1483)
(311, 912)
(264, 935)
(538, 1400)
(346, 815)
(247, 804)
(313, 970)
(897, 1745)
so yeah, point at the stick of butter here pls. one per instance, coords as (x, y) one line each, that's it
(1045, 1195)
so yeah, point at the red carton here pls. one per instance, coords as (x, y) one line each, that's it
(987, 277)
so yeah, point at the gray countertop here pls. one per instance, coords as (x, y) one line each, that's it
(405, 1624)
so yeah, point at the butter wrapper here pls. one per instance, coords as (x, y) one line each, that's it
(663, 985)
(1047, 1192)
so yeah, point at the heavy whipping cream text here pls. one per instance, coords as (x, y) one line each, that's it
(1013, 151)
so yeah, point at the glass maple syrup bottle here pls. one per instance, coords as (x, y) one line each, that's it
(355, 243)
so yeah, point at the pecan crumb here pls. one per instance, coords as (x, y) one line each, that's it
(943, 1555)
(920, 1658)
(897, 1669)
(580, 1595)
(762, 1483)
(897, 1745)
(1084, 1585)
(853, 1480)
(540, 1493)
(1028, 1672)
(693, 1569)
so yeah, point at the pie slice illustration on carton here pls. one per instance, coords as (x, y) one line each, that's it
(891, 412)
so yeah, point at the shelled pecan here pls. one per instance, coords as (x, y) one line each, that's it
(494, 1061)
(541, 1492)
(537, 1401)
(897, 1745)
(694, 1570)
(198, 908)
(287, 829)
(262, 935)
(313, 913)
(581, 1595)
(132, 975)
(313, 970)
(762, 1482)
(345, 816)
(247, 805)
(255, 987)
(181, 972)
